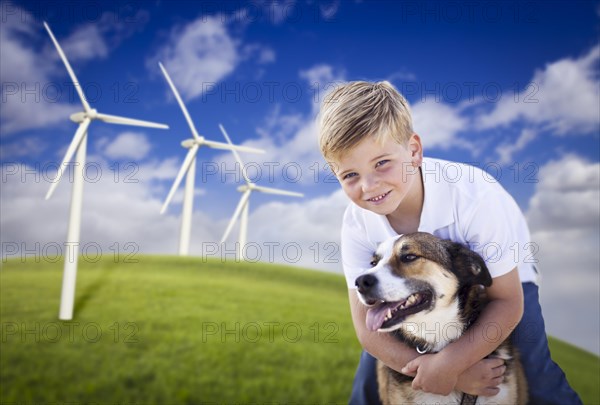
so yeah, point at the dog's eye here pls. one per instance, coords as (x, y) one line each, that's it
(376, 258)
(408, 258)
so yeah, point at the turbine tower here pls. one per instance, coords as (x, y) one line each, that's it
(243, 206)
(78, 144)
(188, 168)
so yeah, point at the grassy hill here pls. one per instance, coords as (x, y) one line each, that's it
(188, 331)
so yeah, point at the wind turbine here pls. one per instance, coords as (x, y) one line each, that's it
(243, 205)
(188, 168)
(78, 144)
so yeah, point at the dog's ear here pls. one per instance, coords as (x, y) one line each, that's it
(468, 265)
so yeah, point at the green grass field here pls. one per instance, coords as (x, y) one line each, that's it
(170, 330)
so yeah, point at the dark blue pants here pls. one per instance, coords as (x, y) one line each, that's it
(546, 381)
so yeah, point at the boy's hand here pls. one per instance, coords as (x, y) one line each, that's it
(434, 374)
(483, 378)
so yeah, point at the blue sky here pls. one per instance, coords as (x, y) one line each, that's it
(512, 87)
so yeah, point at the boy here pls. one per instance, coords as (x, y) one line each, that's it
(366, 135)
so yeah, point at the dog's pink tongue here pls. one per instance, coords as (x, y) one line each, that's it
(376, 316)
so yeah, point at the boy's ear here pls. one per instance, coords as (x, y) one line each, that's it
(416, 149)
(468, 265)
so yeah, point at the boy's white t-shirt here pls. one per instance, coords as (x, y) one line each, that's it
(461, 203)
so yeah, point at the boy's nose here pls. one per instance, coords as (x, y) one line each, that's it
(370, 183)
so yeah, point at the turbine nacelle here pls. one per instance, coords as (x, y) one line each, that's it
(246, 187)
(189, 143)
(78, 117)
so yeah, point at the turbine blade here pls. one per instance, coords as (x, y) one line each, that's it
(115, 119)
(270, 190)
(86, 106)
(184, 168)
(79, 134)
(236, 214)
(180, 101)
(237, 156)
(227, 146)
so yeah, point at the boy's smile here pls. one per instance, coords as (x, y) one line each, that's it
(379, 198)
(380, 176)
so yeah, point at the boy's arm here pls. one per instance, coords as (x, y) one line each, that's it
(438, 373)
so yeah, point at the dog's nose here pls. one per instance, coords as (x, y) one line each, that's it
(365, 283)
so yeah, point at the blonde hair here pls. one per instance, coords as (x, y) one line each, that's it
(359, 109)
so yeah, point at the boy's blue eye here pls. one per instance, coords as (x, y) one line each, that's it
(381, 163)
(349, 175)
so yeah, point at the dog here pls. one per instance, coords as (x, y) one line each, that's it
(426, 292)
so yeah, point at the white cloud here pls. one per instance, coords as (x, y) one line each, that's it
(567, 196)
(278, 126)
(178, 198)
(280, 11)
(17, 39)
(94, 40)
(23, 75)
(507, 150)
(438, 124)
(564, 98)
(129, 144)
(204, 52)
(159, 169)
(564, 218)
(85, 43)
(401, 76)
(569, 289)
(19, 116)
(199, 54)
(267, 55)
(328, 11)
(31, 146)
(263, 54)
(323, 77)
